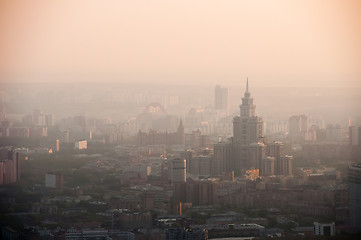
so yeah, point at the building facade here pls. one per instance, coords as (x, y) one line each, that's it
(221, 98)
(298, 126)
(354, 183)
(9, 166)
(247, 149)
(159, 138)
(247, 129)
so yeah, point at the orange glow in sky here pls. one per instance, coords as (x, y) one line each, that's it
(182, 40)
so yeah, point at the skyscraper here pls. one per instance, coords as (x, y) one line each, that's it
(9, 166)
(298, 126)
(178, 173)
(221, 98)
(247, 150)
(247, 129)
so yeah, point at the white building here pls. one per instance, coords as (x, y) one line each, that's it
(324, 229)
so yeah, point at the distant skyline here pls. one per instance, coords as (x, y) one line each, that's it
(306, 43)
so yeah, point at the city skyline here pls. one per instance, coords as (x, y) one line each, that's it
(185, 120)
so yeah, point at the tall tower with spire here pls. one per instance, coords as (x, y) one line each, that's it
(247, 109)
(180, 132)
(247, 149)
(247, 129)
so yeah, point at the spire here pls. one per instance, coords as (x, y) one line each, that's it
(180, 127)
(247, 86)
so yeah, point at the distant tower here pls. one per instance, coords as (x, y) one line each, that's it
(181, 134)
(298, 126)
(179, 177)
(248, 110)
(247, 128)
(221, 98)
(247, 149)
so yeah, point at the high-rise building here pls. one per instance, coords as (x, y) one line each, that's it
(283, 165)
(297, 129)
(247, 149)
(268, 166)
(247, 129)
(9, 166)
(221, 98)
(201, 166)
(179, 170)
(223, 157)
(354, 184)
(355, 136)
(256, 152)
(202, 192)
(49, 120)
(274, 149)
(178, 174)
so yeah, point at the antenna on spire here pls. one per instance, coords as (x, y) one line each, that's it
(247, 86)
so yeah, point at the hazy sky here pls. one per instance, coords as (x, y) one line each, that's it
(305, 41)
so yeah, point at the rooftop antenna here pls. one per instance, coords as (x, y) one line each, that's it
(247, 86)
